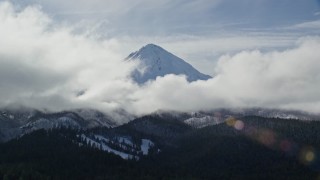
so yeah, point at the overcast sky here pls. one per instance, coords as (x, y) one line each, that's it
(262, 53)
(197, 30)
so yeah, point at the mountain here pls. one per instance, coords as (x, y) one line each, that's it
(17, 122)
(155, 61)
(263, 148)
(201, 119)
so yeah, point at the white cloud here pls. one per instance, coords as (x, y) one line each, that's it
(43, 65)
(308, 25)
(40, 60)
(288, 79)
(204, 51)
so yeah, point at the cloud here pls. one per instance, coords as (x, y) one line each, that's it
(287, 79)
(44, 64)
(40, 60)
(308, 25)
(198, 31)
(203, 51)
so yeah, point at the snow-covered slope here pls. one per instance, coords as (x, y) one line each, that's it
(124, 147)
(154, 61)
(16, 122)
(202, 119)
(200, 122)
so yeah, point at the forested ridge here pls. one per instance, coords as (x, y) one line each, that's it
(214, 152)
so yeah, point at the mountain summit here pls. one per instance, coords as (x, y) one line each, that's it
(155, 61)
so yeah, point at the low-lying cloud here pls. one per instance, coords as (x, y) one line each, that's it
(45, 65)
(287, 79)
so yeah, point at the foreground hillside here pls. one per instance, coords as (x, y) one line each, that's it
(245, 148)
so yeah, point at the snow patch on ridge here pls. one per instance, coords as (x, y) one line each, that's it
(146, 144)
(104, 147)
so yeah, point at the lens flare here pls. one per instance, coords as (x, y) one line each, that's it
(310, 156)
(307, 155)
(239, 125)
(231, 121)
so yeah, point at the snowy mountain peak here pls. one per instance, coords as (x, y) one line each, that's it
(155, 61)
(149, 50)
(151, 47)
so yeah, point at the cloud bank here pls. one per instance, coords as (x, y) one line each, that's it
(287, 79)
(45, 65)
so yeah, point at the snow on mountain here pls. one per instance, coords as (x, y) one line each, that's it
(95, 118)
(200, 122)
(146, 145)
(47, 123)
(154, 61)
(102, 145)
(17, 122)
(216, 116)
(121, 146)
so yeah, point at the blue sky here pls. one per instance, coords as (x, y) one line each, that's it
(182, 16)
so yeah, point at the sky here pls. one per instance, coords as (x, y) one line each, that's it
(262, 53)
(199, 31)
